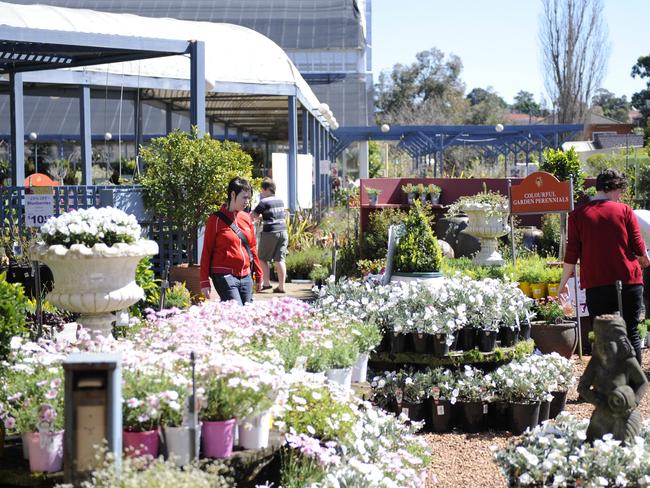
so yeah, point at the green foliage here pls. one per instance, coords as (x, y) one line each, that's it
(298, 470)
(370, 266)
(375, 238)
(187, 177)
(301, 229)
(563, 164)
(373, 191)
(178, 296)
(146, 279)
(549, 244)
(466, 267)
(300, 263)
(532, 269)
(614, 107)
(643, 329)
(549, 310)
(641, 99)
(417, 249)
(486, 107)
(346, 259)
(13, 313)
(375, 164)
(525, 103)
(319, 273)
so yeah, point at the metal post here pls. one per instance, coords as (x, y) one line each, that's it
(36, 270)
(17, 123)
(192, 410)
(316, 152)
(197, 85)
(137, 125)
(86, 136)
(168, 118)
(512, 224)
(211, 127)
(578, 322)
(304, 118)
(293, 153)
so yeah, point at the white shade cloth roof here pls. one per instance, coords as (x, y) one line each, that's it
(237, 59)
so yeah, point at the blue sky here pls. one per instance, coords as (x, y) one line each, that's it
(497, 40)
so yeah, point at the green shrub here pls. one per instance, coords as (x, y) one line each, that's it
(417, 249)
(564, 164)
(375, 237)
(178, 296)
(319, 273)
(146, 279)
(549, 244)
(346, 259)
(466, 267)
(13, 313)
(300, 263)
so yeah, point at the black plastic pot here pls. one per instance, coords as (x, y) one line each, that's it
(384, 345)
(472, 416)
(524, 330)
(397, 342)
(421, 342)
(508, 336)
(557, 404)
(415, 411)
(487, 340)
(440, 416)
(523, 416)
(544, 411)
(24, 275)
(466, 338)
(440, 347)
(498, 415)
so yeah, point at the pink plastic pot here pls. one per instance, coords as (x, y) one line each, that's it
(141, 443)
(45, 451)
(217, 438)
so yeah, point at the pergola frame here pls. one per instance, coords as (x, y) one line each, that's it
(267, 112)
(24, 50)
(420, 142)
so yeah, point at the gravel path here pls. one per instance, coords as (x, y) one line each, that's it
(465, 460)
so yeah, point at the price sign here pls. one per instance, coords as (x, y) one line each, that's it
(38, 208)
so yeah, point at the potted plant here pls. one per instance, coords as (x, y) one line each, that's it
(367, 336)
(442, 395)
(93, 254)
(319, 275)
(434, 191)
(553, 277)
(552, 333)
(140, 412)
(185, 180)
(488, 219)
(403, 391)
(520, 385)
(373, 195)
(33, 406)
(410, 191)
(417, 252)
(474, 390)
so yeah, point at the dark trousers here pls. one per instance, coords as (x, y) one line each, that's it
(230, 287)
(604, 300)
(646, 291)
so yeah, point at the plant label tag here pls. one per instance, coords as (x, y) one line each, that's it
(405, 411)
(440, 410)
(485, 408)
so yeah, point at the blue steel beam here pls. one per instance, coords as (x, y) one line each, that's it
(17, 124)
(86, 133)
(197, 85)
(293, 154)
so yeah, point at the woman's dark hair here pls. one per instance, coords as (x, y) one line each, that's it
(237, 185)
(611, 179)
(268, 184)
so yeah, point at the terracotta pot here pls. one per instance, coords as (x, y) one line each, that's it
(190, 275)
(561, 338)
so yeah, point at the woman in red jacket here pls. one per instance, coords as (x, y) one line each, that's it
(226, 258)
(605, 236)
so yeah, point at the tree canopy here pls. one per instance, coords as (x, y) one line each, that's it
(641, 99)
(612, 106)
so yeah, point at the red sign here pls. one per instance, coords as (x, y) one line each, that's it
(541, 192)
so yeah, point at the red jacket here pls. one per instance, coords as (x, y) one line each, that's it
(605, 235)
(224, 252)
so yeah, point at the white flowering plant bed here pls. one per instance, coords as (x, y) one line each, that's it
(556, 454)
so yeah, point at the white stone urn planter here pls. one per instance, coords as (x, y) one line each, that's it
(487, 223)
(97, 281)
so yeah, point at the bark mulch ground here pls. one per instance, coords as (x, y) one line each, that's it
(465, 460)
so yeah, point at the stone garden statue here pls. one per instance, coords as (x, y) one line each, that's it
(613, 381)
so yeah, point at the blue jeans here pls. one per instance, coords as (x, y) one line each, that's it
(230, 287)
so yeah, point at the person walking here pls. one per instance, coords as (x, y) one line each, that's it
(229, 255)
(604, 235)
(274, 239)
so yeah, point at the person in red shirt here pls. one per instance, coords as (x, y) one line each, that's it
(225, 258)
(604, 235)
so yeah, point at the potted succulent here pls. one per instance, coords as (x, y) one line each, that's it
(373, 195)
(411, 192)
(488, 219)
(417, 252)
(434, 191)
(185, 180)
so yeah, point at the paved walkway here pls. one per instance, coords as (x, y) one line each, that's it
(295, 290)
